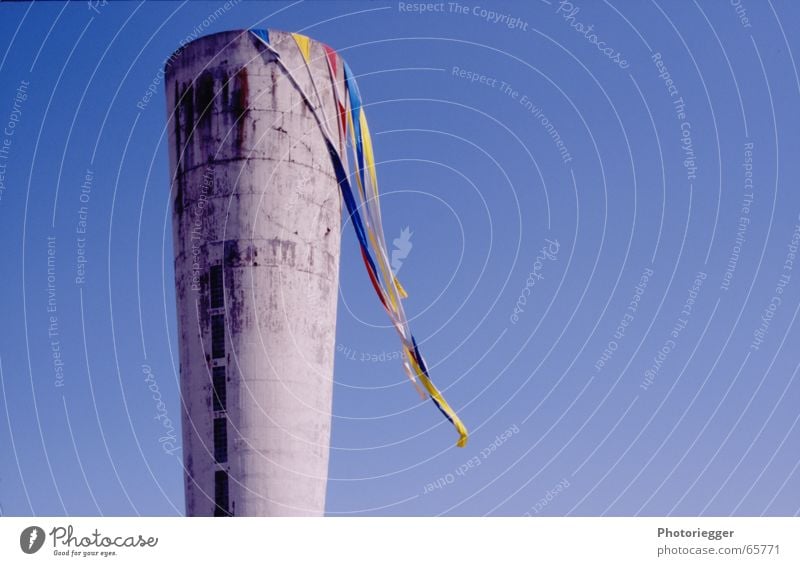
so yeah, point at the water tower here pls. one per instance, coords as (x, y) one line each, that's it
(256, 232)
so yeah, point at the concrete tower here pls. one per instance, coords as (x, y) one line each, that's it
(256, 231)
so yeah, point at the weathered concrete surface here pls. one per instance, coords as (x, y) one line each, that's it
(253, 190)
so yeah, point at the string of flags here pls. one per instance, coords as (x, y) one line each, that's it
(363, 205)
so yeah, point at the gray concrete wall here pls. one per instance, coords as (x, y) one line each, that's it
(253, 191)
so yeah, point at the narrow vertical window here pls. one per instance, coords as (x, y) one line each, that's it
(218, 336)
(219, 393)
(217, 287)
(221, 493)
(221, 440)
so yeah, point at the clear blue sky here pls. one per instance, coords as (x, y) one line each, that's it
(655, 106)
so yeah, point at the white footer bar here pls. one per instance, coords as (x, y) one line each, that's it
(401, 541)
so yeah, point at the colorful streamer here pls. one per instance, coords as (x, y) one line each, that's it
(363, 206)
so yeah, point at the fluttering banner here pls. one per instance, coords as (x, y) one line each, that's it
(363, 205)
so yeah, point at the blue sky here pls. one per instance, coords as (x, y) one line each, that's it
(656, 107)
